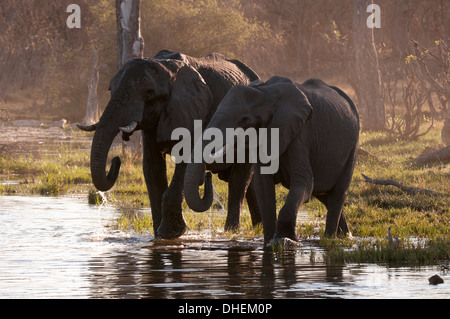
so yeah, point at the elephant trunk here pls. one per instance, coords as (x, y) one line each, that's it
(192, 180)
(104, 135)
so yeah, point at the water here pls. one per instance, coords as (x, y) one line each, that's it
(61, 247)
(36, 141)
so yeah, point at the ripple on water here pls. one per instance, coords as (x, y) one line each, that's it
(61, 247)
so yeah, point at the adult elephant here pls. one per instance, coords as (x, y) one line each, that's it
(318, 127)
(158, 95)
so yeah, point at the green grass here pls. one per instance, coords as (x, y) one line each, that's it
(370, 209)
(380, 251)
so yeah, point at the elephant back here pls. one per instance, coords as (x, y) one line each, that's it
(219, 74)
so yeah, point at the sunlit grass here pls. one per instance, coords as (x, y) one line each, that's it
(408, 252)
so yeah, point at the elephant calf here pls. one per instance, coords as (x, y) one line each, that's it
(318, 129)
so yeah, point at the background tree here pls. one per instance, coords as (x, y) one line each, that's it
(367, 70)
(45, 65)
(92, 115)
(130, 44)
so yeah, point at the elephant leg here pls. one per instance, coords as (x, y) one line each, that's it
(336, 223)
(343, 227)
(237, 186)
(252, 203)
(265, 195)
(300, 189)
(172, 222)
(154, 167)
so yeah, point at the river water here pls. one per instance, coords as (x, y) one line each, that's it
(61, 247)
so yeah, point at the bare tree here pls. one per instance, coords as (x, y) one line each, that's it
(438, 80)
(130, 44)
(369, 87)
(92, 115)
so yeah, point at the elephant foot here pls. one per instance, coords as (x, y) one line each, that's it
(285, 229)
(338, 234)
(279, 245)
(169, 230)
(232, 227)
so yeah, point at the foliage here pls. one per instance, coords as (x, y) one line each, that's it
(412, 90)
(45, 65)
(201, 27)
(57, 60)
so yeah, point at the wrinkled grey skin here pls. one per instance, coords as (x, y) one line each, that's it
(158, 95)
(318, 135)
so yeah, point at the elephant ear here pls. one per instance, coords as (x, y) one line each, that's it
(190, 99)
(291, 110)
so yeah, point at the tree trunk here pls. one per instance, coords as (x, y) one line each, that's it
(92, 116)
(399, 20)
(130, 45)
(368, 75)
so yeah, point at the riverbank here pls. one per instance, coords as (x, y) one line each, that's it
(61, 166)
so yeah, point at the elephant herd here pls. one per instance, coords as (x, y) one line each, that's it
(316, 126)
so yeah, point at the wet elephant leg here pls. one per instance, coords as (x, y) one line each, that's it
(265, 195)
(300, 189)
(335, 222)
(154, 166)
(172, 222)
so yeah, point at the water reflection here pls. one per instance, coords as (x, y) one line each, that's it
(59, 247)
(166, 271)
(182, 271)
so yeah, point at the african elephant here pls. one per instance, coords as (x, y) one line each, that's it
(318, 129)
(158, 95)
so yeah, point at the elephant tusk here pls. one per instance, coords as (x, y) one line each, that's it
(88, 128)
(220, 152)
(130, 128)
